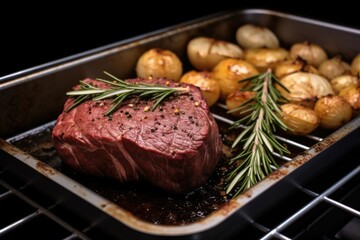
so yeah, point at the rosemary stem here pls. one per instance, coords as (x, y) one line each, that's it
(265, 86)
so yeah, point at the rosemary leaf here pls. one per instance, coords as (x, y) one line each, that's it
(240, 136)
(115, 78)
(163, 96)
(112, 83)
(249, 140)
(84, 92)
(78, 101)
(236, 179)
(265, 140)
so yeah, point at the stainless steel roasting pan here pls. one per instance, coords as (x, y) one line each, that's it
(31, 100)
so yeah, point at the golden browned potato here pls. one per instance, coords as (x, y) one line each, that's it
(299, 119)
(264, 58)
(355, 66)
(344, 81)
(252, 36)
(236, 99)
(334, 111)
(334, 67)
(209, 87)
(204, 53)
(352, 95)
(312, 53)
(305, 88)
(287, 67)
(158, 62)
(229, 71)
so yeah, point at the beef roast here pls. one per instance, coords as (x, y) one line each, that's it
(175, 147)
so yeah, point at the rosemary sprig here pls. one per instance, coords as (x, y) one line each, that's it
(255, 160)
(119, 91)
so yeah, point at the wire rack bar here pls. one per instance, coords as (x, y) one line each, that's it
(342, 206)
(311, 205)
(41, 210)
(19, 222)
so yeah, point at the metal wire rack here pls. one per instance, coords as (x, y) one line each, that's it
(24, 213)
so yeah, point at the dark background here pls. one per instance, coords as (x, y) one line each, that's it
(32, 35)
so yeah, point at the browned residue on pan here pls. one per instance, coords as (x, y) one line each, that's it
(45, 169)
(248, 193)
(302, 158)
(234, 204)
(80, 190)
(228, 207)
(117, 212)
(324, 144)
(8, 148)
(278, 174)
